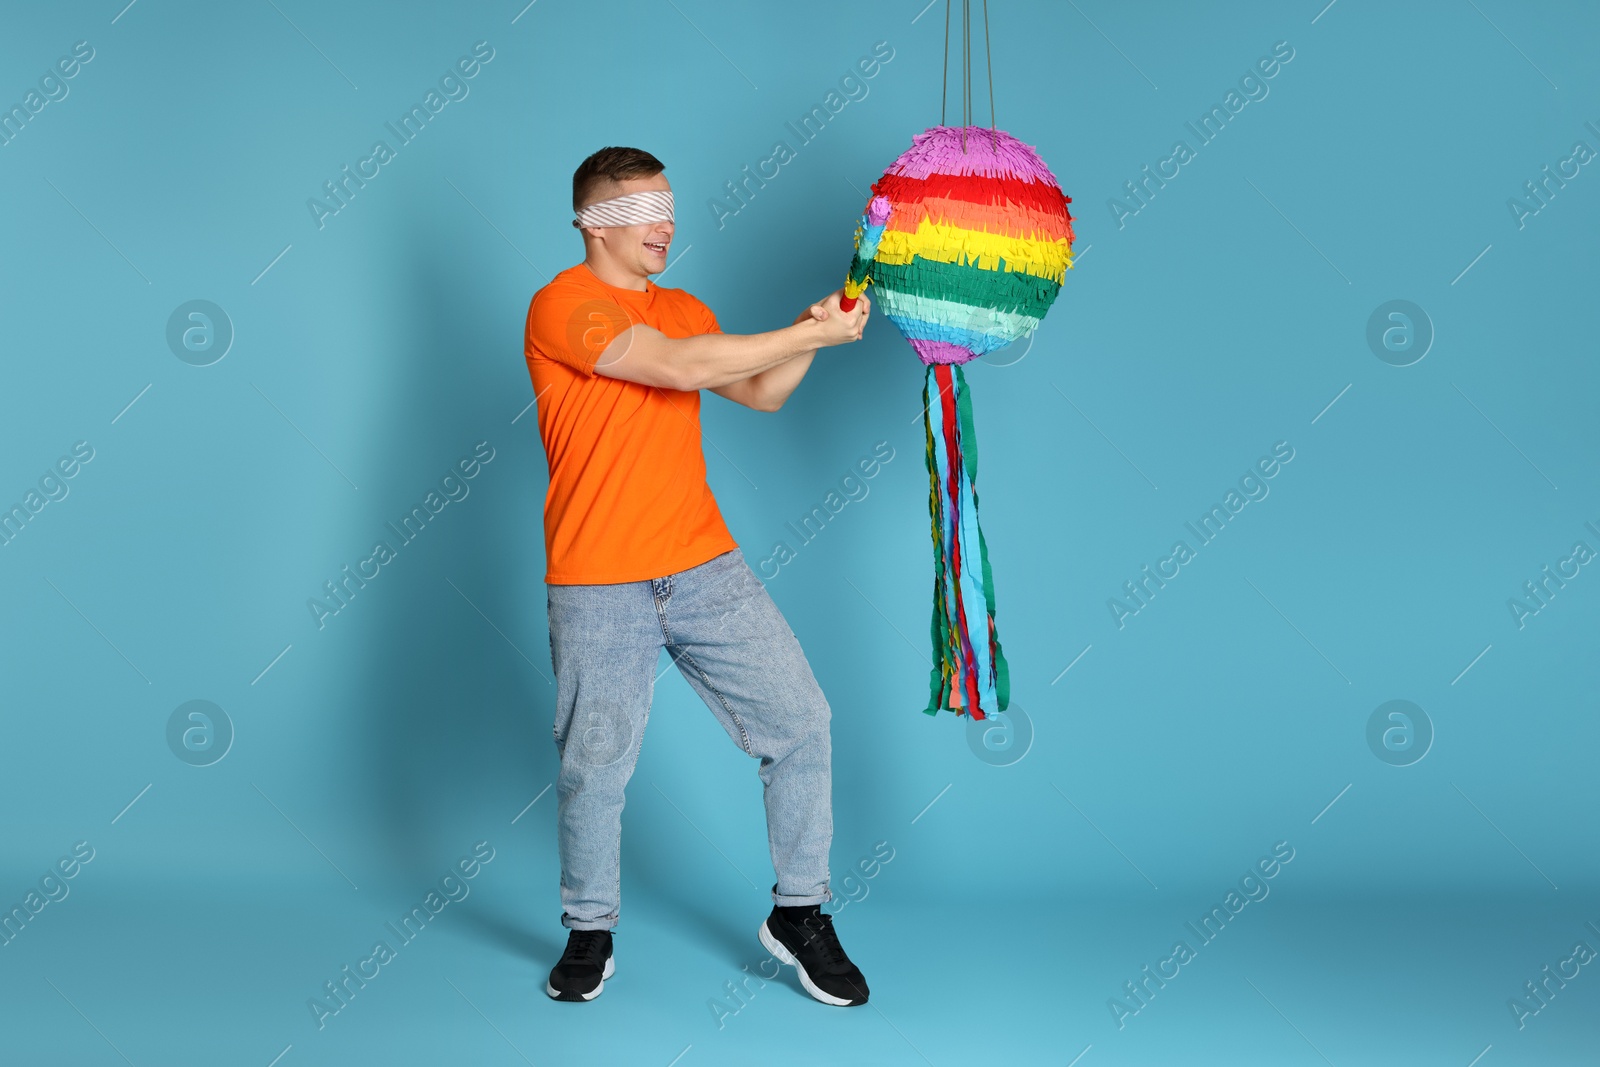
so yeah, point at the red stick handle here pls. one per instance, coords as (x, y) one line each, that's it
(847, 303)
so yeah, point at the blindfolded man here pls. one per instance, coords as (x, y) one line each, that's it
(639, 559)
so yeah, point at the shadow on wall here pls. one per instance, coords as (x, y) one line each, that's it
(457, 720)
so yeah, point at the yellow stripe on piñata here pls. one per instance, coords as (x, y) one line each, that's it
(853, 288)
(987, 251)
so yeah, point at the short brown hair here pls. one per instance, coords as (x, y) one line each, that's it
(612, 164)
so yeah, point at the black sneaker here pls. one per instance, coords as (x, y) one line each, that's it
(803, 938)
(584, 967)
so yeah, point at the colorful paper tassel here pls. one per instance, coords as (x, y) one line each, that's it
(969, 670)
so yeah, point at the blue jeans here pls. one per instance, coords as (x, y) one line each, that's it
(733, 646)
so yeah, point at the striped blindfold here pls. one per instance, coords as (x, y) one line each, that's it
(632, 210)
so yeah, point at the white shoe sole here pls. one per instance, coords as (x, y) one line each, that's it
(611, 967)
(783, 955)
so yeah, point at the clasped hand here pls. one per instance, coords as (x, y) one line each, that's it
(832, 325)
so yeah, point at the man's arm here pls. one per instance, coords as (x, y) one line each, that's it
(645, 355)
(768, 389)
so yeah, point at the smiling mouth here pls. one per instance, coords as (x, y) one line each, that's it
(659, 247)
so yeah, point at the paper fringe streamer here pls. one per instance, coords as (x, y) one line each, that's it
(969, 673)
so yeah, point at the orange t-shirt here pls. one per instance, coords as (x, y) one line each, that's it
(628, 498)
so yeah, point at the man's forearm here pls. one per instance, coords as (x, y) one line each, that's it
(714, 359)
(645, 355)
(768, 390)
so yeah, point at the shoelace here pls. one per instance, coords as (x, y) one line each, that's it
(817, 930)
(586, 946)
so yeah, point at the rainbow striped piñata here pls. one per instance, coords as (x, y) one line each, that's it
(966, 240)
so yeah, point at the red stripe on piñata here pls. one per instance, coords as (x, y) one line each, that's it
(977, 190)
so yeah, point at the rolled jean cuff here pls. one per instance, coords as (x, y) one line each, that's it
(604, 923)
(784, 901)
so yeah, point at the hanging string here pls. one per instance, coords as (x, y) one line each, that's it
(944, 85)
(988, 66)
(966, 72)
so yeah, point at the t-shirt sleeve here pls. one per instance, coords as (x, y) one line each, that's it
(709, 323)
(572, 329)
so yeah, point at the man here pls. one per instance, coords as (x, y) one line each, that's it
(639, 559)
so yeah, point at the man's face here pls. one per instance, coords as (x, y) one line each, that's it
(643, 248)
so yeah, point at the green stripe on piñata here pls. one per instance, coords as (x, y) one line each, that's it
(1003, 290)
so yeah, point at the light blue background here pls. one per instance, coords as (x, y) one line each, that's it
(1227, 315)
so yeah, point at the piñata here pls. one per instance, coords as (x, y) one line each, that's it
(966, 241)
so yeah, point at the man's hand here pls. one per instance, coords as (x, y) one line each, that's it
(832, 326)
